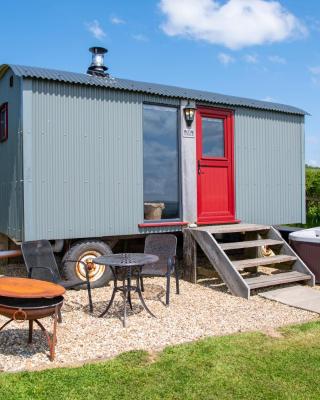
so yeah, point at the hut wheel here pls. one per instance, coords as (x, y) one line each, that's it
(86, 251)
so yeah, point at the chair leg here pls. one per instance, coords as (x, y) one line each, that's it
(89, 296)
(30, 331)
(141, 284)
(89, 291)
(177, 281)
(168, 290)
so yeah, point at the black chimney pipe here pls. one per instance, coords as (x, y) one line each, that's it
(97, 67)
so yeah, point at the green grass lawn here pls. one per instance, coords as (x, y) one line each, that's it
(242, 366)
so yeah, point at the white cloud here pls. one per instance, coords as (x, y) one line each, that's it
(251, 59)
(140, 37)
(117, 21)
(225, 59)
(313, 23)
(95, 29)
(277, 59)
(315, 74)
(313, 163)
(233, 23)
(269, 98)
(315, 70)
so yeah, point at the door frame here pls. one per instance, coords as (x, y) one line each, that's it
(228, 116)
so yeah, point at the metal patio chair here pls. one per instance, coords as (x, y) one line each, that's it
(165, 247)
(41, 264)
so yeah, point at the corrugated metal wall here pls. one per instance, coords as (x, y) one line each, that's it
(83, 162)
(269, 162)
(86, 162)
(11, 199)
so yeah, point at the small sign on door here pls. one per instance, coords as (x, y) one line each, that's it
(189, 133)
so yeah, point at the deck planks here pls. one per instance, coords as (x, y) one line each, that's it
(234, 228)
(255, 262)
(250, 243)
(277, 279)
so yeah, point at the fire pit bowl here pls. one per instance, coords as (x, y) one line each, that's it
(29, 309)
(30, 300)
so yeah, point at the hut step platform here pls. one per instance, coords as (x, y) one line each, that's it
(236, 250)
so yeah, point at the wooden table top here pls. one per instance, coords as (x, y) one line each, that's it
(29, 288)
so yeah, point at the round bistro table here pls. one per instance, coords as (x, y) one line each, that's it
(23, 299)
(124, 266)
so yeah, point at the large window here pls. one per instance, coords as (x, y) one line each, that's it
(160, 163)
(3, 122)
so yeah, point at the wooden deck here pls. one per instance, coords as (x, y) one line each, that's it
(232, 228)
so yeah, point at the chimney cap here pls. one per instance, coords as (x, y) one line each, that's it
(97, 67)
(98, 50)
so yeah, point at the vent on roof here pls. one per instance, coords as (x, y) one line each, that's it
(97, 67)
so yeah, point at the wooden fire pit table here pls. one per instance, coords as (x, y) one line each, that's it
(24, 299)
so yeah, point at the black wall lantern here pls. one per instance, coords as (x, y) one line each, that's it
(189, 112)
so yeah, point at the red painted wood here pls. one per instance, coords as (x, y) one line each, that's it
(233, 222)
(4, 135)
(215, 184)
(156, 224)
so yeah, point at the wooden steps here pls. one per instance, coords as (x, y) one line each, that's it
(255, 262)
(250, 243)
(254, 236)
(214, 229)
(277, 279)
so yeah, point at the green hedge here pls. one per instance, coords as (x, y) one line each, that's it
(313, 196)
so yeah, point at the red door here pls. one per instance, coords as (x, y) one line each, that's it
(215, 166)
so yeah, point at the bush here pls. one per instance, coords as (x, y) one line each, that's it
(313, 196)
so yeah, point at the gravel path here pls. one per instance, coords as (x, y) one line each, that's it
(206, 309)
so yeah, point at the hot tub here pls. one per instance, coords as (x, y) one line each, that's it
(306, 244)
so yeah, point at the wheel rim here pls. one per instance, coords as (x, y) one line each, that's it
(95, 270)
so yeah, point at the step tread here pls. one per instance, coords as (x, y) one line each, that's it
(277, 279)
(232, 228)
(250, 243)
(255, 262)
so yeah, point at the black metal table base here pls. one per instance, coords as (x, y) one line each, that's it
(126, 288)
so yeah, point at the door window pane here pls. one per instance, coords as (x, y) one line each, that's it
(212, 137)
(160, 163)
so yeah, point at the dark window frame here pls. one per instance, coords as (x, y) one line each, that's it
(4, 135)
(179, 218)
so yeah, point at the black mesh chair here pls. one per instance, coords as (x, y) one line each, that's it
(165, 247)
(41, 264)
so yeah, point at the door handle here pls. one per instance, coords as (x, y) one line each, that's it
(199, 168)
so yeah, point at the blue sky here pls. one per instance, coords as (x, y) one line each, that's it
(261, 49)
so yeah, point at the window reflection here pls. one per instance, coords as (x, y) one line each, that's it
(160, 162)
(212, 137)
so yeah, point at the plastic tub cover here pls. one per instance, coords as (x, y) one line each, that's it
(311, 235)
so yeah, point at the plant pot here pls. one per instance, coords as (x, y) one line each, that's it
(153, 211)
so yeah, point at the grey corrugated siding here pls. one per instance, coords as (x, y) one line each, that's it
(86, 162)
(149, 88)
(269, 167)
(11, 200)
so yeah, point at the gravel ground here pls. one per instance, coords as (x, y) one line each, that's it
(202, 310)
